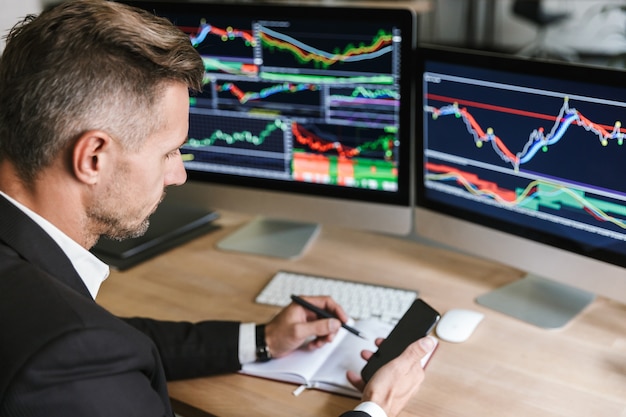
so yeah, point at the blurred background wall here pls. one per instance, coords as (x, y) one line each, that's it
(568, 29)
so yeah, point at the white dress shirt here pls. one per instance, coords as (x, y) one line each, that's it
(90, 269)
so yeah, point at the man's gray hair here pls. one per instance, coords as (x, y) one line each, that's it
(87, 65)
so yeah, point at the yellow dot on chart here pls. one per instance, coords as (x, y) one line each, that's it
(490, 130)
(604, 142)
(618, 124)
(479, 143)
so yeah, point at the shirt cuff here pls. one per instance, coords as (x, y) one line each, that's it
(371, 408)
(247, 343)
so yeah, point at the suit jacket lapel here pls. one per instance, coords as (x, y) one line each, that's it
(32, 243)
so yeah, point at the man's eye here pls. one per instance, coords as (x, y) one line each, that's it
(173, 153)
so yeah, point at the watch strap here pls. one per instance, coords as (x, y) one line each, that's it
(262, 351)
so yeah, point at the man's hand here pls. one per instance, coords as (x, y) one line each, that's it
(396, 382)
(296, 326)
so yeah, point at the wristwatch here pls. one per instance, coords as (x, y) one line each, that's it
(262, 351)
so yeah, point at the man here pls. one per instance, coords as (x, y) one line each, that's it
(93, 111)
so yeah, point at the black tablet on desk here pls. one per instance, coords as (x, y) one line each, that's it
(170, 225)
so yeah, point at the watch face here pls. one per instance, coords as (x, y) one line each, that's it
(263, 354)
(262, 351)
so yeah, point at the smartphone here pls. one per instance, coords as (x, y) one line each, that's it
(416, 323)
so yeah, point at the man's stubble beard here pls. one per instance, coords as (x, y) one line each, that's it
(111, 224)
(108, 216)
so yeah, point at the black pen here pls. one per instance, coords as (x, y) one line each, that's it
(325, 314)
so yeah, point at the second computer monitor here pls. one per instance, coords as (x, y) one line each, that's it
(522, 162)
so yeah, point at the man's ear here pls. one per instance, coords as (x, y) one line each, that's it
(89, 154)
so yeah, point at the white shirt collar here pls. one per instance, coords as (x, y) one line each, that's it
(90, 269)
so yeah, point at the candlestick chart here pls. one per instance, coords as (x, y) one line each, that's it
(526, 152)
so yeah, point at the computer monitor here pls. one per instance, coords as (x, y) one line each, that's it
(305, 116)
(523, 162)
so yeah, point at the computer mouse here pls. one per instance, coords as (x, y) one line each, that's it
(458, 324)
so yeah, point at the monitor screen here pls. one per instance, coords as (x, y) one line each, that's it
(305, 111)
(522, 163)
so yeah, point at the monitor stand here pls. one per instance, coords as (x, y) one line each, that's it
(539, 301)
(272, 237)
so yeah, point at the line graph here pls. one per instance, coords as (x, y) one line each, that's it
(244, 136)
(225, 47)
(539, 132)
(375, 93)
(385, 145)
(239, 145)
(380, 45)
(282, 99)
(373, 107)
(539, 198)
(263, 146)
(538, 139)
(229, 33)
(229, 67)
(544, 158)
(246, 96)
(536, 193)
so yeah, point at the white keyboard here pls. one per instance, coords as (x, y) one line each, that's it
(359, 300)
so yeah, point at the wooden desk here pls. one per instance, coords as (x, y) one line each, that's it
(507, 368)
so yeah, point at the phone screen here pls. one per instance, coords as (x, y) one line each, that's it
(416, 323)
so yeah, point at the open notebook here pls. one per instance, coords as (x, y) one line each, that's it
(326, 368)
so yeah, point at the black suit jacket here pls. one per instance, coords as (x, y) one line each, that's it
(63, 355)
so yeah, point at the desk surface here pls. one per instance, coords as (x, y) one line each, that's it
(507, 368)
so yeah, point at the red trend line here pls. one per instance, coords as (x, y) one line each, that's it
(592, 125)
(247, 36)
(594, 215)
(481, 134)
(492, 187)
(491, 107)
(235, 91)
(312, 141)
(242, 33)
(603, 128)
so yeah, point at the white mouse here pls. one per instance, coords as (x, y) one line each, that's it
(457, 325)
